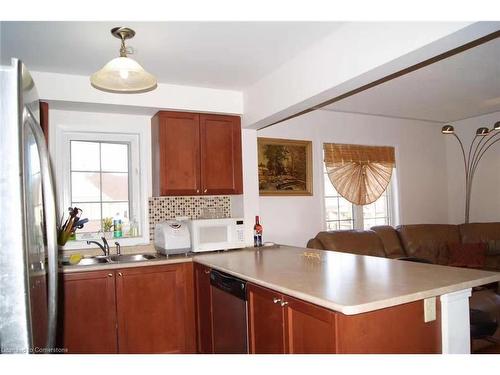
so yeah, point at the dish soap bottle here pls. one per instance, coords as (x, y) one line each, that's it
(117, 226)
(134, 228)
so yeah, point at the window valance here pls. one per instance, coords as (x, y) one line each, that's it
(359, 173)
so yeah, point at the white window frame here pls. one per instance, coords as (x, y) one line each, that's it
(358, 219)
(137, 198)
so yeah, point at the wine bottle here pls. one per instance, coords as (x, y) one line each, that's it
(257, 233)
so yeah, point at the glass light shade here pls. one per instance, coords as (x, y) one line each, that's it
(482, 131)
(447, 129)
(123, 75)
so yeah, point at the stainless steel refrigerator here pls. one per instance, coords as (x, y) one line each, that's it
(28, 244)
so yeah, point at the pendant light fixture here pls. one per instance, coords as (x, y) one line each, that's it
(123, 74)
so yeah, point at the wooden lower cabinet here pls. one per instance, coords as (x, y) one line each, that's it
(394, 330)
(280, 324)
(265, 321)
(152, 310)
(309, 329)
(203, 292)
(155, 307)
(132, 310)
(87, 312)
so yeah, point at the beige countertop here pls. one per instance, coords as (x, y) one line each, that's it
(160, 260)
(347, 283)
(141, 249)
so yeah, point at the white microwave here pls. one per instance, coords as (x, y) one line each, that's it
(217, 234)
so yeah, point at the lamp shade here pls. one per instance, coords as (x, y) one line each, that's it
(123, 75)
(482, 131)
(447, 129)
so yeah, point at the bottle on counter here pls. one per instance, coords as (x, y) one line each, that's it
(117, 226)
(134, 228)
(257, 233)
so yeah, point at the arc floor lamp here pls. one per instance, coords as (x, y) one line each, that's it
(487, 138)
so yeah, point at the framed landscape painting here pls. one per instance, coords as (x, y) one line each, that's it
(285, 166)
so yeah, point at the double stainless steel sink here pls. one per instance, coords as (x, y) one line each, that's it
(100, 259)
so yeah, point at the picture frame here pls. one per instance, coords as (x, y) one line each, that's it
(284, 167)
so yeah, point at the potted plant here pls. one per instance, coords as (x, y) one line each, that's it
(107, 224)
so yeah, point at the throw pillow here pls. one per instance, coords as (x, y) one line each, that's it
(494, 247)
(471, 255)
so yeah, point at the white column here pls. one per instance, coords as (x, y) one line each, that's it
(455, 325)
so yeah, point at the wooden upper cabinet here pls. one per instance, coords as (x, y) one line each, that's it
(195, 154)
(265, 321)
(176, 153)
(156, 309)
(203, 309)
(221, 154)
(87, 312)
(309, 329)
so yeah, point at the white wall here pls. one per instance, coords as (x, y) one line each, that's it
(485, 199)
(420, 166)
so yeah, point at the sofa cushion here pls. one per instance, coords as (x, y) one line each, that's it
(479, 232)
(352, 241)
(492, 263)
(429, 241)
(493, 247)
(390, 240)
(471, 255)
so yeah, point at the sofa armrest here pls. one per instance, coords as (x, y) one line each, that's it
(314, 243)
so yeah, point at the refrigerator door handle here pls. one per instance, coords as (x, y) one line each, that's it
(49, 207)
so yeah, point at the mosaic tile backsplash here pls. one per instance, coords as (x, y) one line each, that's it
(167, 208)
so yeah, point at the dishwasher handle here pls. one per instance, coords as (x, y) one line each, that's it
(229, 284)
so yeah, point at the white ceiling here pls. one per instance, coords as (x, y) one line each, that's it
(462, 86)
(226, 55)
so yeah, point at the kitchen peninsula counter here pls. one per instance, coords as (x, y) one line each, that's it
(346, 283)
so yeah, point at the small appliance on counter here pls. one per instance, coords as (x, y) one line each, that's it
(217, 234)
(172, 237)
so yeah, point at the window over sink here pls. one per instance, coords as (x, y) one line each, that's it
(100, 174)
(100, 183)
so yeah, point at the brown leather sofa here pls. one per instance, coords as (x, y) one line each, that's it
(423, 241)
(426, 241)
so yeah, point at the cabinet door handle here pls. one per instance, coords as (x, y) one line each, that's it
(110, 274)
(197, 190)
(276, 300)
(205, 190)
(119, 273)
(284, 303)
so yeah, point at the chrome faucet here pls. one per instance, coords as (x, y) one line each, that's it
(118, 248)
(104, 247)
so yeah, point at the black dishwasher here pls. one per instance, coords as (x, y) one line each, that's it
(229, 313)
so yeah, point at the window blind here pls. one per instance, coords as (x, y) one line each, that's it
(359, 173)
